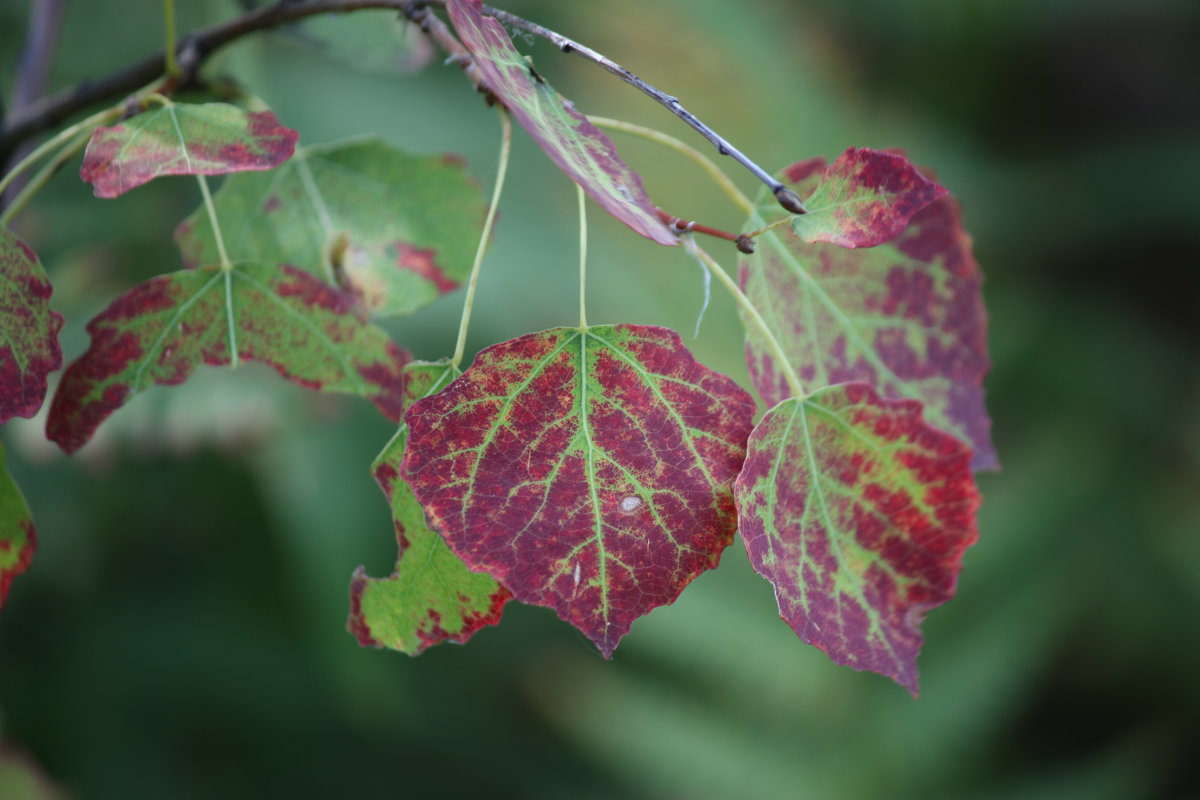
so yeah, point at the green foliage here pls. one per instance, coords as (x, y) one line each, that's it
(588, 469)
(180, 631)
(209, 139)
(161, 331)
(432, 596)
(394, 229)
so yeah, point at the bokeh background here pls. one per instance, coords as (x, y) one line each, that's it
(181, 632)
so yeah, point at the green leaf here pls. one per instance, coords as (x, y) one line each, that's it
(180, 139)
(159, 332)
(906, 317)
(395, 229)
(577, 146)
(858, 513)
(864, 198)
(18, 539)
(431, 597)
(588, 470)
(29, 348)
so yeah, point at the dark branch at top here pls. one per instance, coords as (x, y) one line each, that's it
(52, 110)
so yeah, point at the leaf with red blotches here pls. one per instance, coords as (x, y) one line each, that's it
(396, 230)
(862, 199)
(906, 317)
(18, 539)
(183, 139)
(28, 330)
(159, 332)
(858, 513)
(577, 146)
(588, 470)
(431, 597)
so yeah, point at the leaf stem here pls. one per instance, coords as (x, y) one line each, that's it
(750, 314)
(776, 224)
(582, 258)
(473, 281)
(680, 225)
(226, 264)
(55, 141)
(43, 177)
(172, 65)
(718, 175)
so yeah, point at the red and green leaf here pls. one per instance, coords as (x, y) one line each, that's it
(864, 198)
(858, 513)
(29, 348)
(18, 539)
(159, 332)
(431, 597)
(183, 139)
(577, 146)
(588, 470)
(906, 317)
(396, 230)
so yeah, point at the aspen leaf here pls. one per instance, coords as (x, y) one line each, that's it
(587, 470)
(183, 139)
(161, 331)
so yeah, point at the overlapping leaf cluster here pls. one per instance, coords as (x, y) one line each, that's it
(595, 470)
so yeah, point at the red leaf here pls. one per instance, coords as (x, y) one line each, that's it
(574, 144)
(29, 348)
(431, 597)
(858, 513)
(588, 470)
(179, 139)
(906, 317)
(159, 332)
(862, 199)
(18, 539)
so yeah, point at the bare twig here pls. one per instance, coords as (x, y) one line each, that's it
(41, 40)
(50, 111)
(786, 197)
(681, 225)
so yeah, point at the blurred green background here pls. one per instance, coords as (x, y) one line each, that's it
(181, 631)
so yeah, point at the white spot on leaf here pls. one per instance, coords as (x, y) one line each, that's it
(630, 504)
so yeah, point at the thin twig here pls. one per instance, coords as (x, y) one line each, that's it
(49, 111)
(722, 180)
(681, 225)
(786, 197)
(43, 176)
(41, 40)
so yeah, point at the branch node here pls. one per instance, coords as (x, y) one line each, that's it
(789, 200)
(745, 244)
